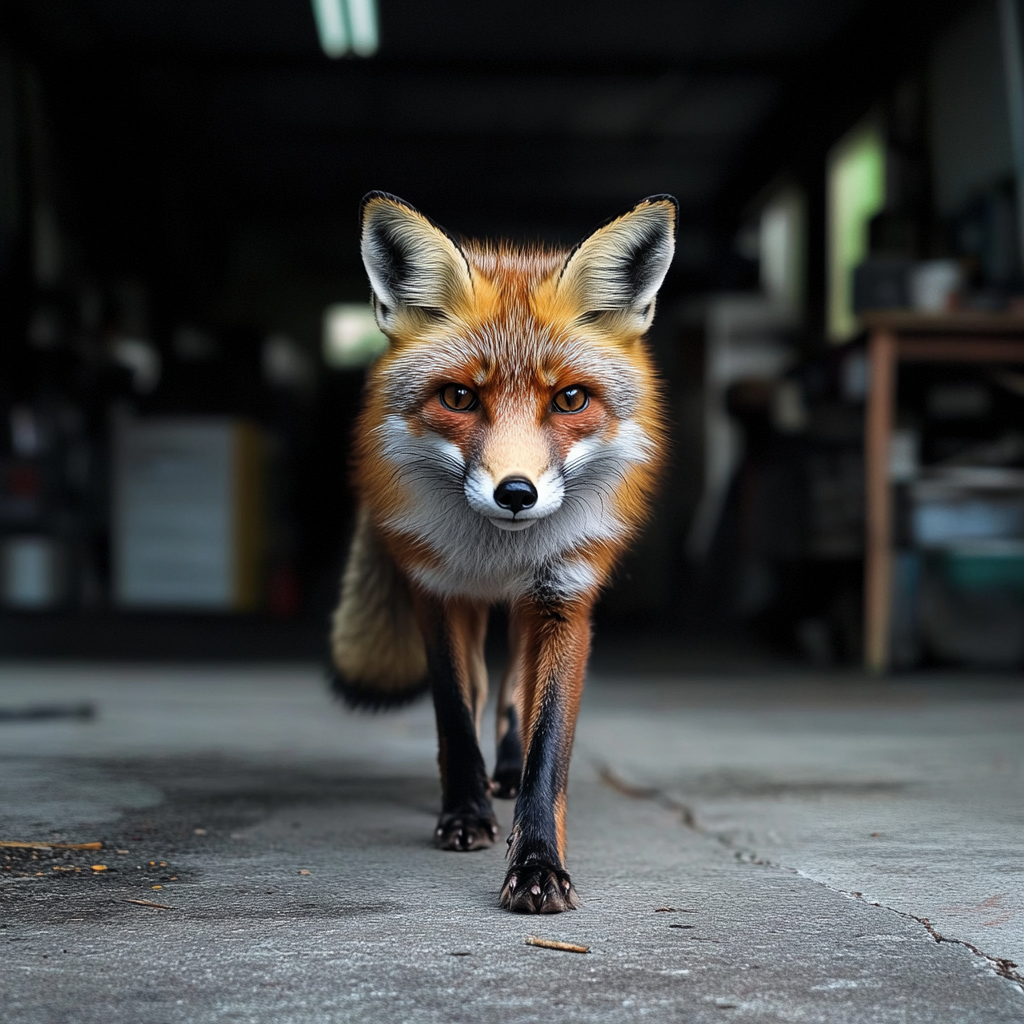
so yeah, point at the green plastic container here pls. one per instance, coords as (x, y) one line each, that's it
(975, 570)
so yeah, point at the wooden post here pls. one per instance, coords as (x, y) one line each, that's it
(878, 555)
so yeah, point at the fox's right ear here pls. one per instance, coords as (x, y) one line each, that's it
(413, 265)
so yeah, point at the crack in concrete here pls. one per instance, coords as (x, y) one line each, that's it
(651, 793)
(1003, 967)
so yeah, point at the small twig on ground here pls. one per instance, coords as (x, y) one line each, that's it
(50, 846)
(568, 947)
(150, 903)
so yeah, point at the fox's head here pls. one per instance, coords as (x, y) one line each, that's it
(516, 396)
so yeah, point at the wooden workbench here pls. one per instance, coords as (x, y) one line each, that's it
(903, 336)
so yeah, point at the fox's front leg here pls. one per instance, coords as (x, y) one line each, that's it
(508, 767)
(554, 649)
(453, 633)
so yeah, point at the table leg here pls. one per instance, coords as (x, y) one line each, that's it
(878, 556)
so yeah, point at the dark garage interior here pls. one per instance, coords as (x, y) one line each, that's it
(181, 185)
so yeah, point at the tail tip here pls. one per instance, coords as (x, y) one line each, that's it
(361, 696)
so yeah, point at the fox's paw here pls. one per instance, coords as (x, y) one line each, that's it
(538, 889)
(465, 830)
(505, 781)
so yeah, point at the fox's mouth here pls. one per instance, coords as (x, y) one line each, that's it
(511, 525)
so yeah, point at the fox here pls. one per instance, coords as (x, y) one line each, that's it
(506, 454)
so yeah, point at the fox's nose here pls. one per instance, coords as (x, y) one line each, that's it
(516, 493)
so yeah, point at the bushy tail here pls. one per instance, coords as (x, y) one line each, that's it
(376, 645)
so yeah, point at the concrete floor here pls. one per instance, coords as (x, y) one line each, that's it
(766, 848)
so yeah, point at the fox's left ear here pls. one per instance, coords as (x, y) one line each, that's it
(620, 267)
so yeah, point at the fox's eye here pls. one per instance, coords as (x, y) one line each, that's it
(574, 399)
(458, 397)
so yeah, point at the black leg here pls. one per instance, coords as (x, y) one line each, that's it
(508, 767)
(467, 819)
(555, 648)
(537, 882)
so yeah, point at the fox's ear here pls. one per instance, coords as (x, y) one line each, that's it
(411, 262)
(620, 267)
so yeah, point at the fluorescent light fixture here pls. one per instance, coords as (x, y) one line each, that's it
(362, 20)
(351, 336)
(345, 25)
(331, 27)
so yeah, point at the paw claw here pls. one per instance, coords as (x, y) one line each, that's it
(544, 890)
